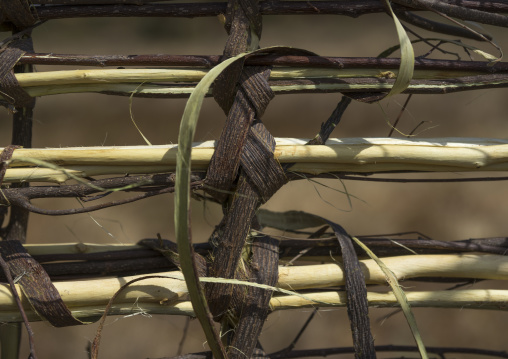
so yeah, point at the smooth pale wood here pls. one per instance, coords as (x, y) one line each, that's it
(105, 76)
(94, 312)
(172, 290)
(468, 152)
(125, 156)
(161, 81)
(99, 291)
(481, 266)
(486, 299)
(345, 155)
(33, 174)
(464, 299)
(120, 88)
(57, 176)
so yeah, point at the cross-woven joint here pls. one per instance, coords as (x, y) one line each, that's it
(17, 12)
(12, 93)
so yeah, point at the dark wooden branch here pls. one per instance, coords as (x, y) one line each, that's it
(94, 2)
(389, 348)
(150, 185)
(346, 8)
(457, 11)
(439, 27)
(153, 185)
(140, 261)
(209, 61)
(324, 352)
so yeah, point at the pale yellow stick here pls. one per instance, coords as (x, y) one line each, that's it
(486, 299)
(346, 155)
(169, 290)
(107, 76)
(458, 152)
(482, 266)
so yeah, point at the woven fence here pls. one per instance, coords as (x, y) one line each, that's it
(255, 262)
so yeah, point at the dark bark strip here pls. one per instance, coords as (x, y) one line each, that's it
(30, 275)
(14, 95)
(242, 175)
(347, 8)
(18, 13)
(21, 105)
(36, 285)
(255, 306)
(209, 61)
(356, 292)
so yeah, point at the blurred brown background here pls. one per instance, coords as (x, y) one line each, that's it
(441, 211)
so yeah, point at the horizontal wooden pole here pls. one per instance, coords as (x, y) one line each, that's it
(276, 61)
(480, 266)
(71, 248)
(116, 8)
(169, 295)
(180, 81)
(281, 87)
(338, 155)
(109, 76)
(485, 299)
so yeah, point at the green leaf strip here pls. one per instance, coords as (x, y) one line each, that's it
(407, 57)
(400, 295)
(182, 206)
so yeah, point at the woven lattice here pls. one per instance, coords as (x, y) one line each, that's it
(253, 261)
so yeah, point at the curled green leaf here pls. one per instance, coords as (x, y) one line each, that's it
(407, 57)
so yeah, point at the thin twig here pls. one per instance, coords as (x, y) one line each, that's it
(347, 8)
(421, 180)
(387, 348)
(460, 12)
(184, 336)
(402, 110)
(439, 27)
(332, 122)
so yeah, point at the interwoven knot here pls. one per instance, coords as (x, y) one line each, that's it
(243, 174)
(18, 16)
(17, 12)
(13, 94)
